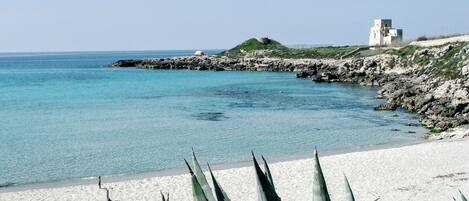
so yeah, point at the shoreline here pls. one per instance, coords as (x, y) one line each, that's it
(183, 171)
(431, 171)
(416, 79)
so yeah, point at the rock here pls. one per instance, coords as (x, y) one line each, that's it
(199, 53)
(440, 101)
(304, 73)
(465, 70)
(386, 106)
(126, 63)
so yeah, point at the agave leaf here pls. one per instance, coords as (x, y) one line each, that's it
(463, 198)
(197, 191)
(320, 192)
(218, 191)
(201, 178)
(265, 189)
(267, 172)
(163, 197)
(108, 198)
(348, 190)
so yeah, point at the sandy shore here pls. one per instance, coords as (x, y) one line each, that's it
(428, 171)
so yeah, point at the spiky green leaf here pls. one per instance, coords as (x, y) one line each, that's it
(320, 192)
(201, 178)
(267, 172)
(164, 198)
(197, 191)
(463, 198)
(219, 193)
(348, 190)
(265, 189)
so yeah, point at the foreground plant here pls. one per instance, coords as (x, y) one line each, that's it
(320, 192)
(348, 190)
(164, 198)
(201, 190)
(267, 172)
(201, 178)
(463, 198)
(219, 193)
(265, 187)
(197, 191)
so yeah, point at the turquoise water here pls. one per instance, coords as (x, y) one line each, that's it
(64, 115)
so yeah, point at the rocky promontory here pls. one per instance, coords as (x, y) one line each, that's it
(222, 63)
(431, 81)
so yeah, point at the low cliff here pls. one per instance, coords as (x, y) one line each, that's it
(434, 82)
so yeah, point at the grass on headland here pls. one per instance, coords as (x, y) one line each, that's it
(275, 49)
(253, 45)
(331, 52)
(448, 65)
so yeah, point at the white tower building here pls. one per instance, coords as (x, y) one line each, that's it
(382, 33)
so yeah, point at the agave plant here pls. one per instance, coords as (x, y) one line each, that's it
(348, 190)
(163, 197)
(108, 197)
(463, 198)
(201, 178)
(218, 191)
(200, 188)
(265, 187)
(320, 192)
(267, 172)
(197, 191)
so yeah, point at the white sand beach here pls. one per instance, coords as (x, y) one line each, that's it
(431, 171)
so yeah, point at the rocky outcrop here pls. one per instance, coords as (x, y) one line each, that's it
(222, 63)
(418, 82)
(442, 102)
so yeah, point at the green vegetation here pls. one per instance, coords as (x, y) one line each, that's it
(314, 53)
(272, 48)
(435, 130)
(405, 51)
(371, 52)
(320, 192)
(253, 45)
(449, 65)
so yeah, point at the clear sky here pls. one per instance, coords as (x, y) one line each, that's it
(76, 25)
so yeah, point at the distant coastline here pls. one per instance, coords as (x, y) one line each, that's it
(429, 80)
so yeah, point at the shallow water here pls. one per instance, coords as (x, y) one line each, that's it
(64, 115)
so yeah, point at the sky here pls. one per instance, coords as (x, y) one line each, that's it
(102, 25)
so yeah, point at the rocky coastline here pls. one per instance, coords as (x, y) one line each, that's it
(416, 82)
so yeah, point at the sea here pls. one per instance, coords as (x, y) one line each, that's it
(65, 116)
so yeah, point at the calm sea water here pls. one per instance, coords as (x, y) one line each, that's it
(65, 115)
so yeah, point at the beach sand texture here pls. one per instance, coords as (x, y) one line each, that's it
(431, 171)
